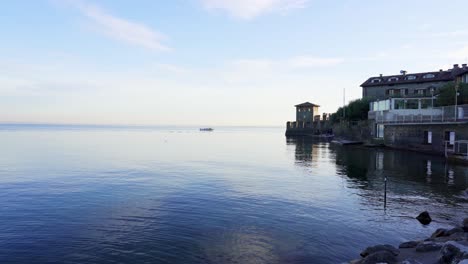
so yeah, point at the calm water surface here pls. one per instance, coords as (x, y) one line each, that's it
(71, 194)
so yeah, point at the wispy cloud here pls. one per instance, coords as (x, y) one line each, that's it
(453, 33)
(460, 54)
(289, 64)
(248, 9)
(261, 70)
(313, 62)
(119, 28)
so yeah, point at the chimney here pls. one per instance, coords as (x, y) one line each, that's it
(455, 66)
(441, 70)
(464, 65)
(381, 75)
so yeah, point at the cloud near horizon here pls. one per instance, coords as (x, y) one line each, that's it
(119, 28)
(248, 9)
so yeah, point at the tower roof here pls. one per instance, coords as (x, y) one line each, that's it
(306, 104)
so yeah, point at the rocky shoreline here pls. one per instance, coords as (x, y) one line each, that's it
(445, 246)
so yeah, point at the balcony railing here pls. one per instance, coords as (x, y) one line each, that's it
(446, 114)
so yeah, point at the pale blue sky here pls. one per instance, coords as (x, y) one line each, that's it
(210, 62)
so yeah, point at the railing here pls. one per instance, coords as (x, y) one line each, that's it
(446, 114)
(304, 125)
(459, 148)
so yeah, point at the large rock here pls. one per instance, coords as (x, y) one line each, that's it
(380, 257)
(410, 261)
(409, 244)
(454, 231)
(459, 236)
(440, 232)
(448, 253)
(389, 248)
(453, 252)
(465, 224)
(424, 218)
(427, 246)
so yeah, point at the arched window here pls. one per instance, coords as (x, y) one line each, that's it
(375, 81)
(411, 77)
(393, 79)
(428, 76)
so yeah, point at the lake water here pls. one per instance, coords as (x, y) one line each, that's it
(84, 194)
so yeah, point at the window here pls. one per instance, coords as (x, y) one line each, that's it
(411, 77)
(419, 91)
(391, 92)
(379, 130)
(428, 76)
(403, 91)
(450, 138)
(299, 110)
(427, 137)
(375, 81)
(309, 109)
(393, 79)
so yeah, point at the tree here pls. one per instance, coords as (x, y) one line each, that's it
(446, 95)
(354, 111)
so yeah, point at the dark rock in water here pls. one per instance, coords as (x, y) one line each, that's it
(465, 224)
(428, 246)
(449, 253)
(453, 231)
(380, 257)
(409, 244)
(458, 236)
(424, 218)
(389, 248)
(439, 233)
(410, 261)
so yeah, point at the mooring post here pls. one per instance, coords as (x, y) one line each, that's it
(385, 192)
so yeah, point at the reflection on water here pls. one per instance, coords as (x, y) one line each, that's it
(237, 195)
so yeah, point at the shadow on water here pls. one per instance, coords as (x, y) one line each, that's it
(416, 181)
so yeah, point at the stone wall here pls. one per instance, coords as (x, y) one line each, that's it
(353, 130)
(307, 128)
(413, 136)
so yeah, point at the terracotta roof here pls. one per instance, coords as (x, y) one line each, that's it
(306, 104)
(439, 76)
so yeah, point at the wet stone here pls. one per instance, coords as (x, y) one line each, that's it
(389, 248)
(424, 218)
(428, 246)
(409, 244)
(380, 257)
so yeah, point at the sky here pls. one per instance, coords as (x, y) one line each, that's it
(211, 62)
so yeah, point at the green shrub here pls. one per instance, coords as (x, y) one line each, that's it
(356, 110)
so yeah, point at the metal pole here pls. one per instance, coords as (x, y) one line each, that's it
(344, 106)
(432, 103)
(456, 92)
(385, 192)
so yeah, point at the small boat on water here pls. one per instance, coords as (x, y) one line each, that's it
(206, 129)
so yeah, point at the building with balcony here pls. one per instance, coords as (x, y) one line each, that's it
(413, 123)
(410, 85)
